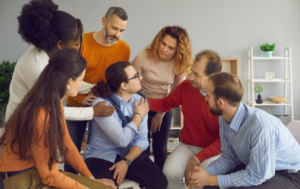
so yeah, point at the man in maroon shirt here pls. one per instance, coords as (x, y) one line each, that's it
(199, 137)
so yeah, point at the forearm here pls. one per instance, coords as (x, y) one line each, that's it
(133, 153)
(85, 88)
(72, 113)
(137, 120)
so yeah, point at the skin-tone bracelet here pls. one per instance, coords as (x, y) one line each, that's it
(140, 115)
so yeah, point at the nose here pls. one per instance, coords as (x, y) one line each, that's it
(118, 35)
(141, 77)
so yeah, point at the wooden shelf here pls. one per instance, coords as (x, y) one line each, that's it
(271, 58)
(269, 103)
(267, 81)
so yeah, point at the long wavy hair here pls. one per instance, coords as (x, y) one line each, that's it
(45, 96)
(183, 55)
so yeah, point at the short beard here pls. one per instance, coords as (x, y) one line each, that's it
(107, 37)
(217, 112)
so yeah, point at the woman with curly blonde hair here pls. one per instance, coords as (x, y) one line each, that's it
(167, 59)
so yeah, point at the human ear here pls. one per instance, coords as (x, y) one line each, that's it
(70, 80)
(221, 102)
(103, 21)
(59, 44)
(124, 86)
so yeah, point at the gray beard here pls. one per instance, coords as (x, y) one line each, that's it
(111, 41)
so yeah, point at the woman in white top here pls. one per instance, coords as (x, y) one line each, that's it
(48, 30)
(167, 59)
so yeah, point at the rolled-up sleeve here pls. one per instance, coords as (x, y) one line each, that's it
(141, 139)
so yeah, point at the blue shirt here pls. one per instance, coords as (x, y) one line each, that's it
(107, 136)
(260, 141)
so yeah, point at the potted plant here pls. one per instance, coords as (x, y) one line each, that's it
(6, 71)
(259, 89)
(268, 49)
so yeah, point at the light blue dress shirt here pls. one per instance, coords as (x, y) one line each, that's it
(260, 141)
(107, 136)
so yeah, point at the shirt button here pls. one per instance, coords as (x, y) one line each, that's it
(233, 147)
(232, 133)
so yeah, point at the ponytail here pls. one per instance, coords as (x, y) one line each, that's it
(102, 89)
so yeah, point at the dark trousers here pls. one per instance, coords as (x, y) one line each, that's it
(142, 170)
(159, 139)
(281, 180)
(76, 130)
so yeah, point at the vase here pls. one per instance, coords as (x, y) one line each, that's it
(259, 100)
(268, 54)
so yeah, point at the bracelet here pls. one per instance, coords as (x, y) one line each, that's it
(140, 115)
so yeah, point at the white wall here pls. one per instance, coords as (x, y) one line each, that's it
(228, 26)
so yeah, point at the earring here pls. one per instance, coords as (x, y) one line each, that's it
(69, 87)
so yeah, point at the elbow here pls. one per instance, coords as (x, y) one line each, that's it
(123, 144)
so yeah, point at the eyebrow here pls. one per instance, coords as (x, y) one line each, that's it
(168, 45)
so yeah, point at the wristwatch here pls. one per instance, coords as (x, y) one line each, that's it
(128, 162)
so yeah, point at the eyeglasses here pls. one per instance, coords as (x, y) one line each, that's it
(136, 75)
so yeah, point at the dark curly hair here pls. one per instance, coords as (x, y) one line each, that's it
(115, 75)
(43, 25)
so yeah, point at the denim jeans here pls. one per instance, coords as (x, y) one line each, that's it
(76, 130)
(160, 139)
(142, 170)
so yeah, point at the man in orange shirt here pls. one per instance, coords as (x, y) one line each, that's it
(100, 49)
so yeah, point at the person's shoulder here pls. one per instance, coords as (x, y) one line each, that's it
(87, 37)
(186, 84)
(137, 97)
(141, 56)
(123, 44)
(98, 100)
(33, 60)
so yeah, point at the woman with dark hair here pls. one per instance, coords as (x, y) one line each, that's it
(167, 59)
(48, 30)
(36, 137)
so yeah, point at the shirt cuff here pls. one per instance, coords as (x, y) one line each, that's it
(225, 181)
(141, 143)
(133, 127)
(211, 170)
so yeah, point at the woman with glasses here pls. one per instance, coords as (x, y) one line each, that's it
(167, 59)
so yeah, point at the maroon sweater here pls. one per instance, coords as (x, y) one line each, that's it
(200, 127)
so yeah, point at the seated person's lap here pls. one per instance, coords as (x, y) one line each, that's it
(142, 170)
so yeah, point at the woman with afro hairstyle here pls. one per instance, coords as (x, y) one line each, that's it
(167, 59)
(48, 30)
(36, 137)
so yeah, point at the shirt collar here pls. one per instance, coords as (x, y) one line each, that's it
(122, 101)
(238, 117)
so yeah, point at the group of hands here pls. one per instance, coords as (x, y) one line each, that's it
(196, 176)
(103, 110)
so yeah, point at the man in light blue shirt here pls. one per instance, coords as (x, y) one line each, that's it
(116, 143)
(258, 151)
